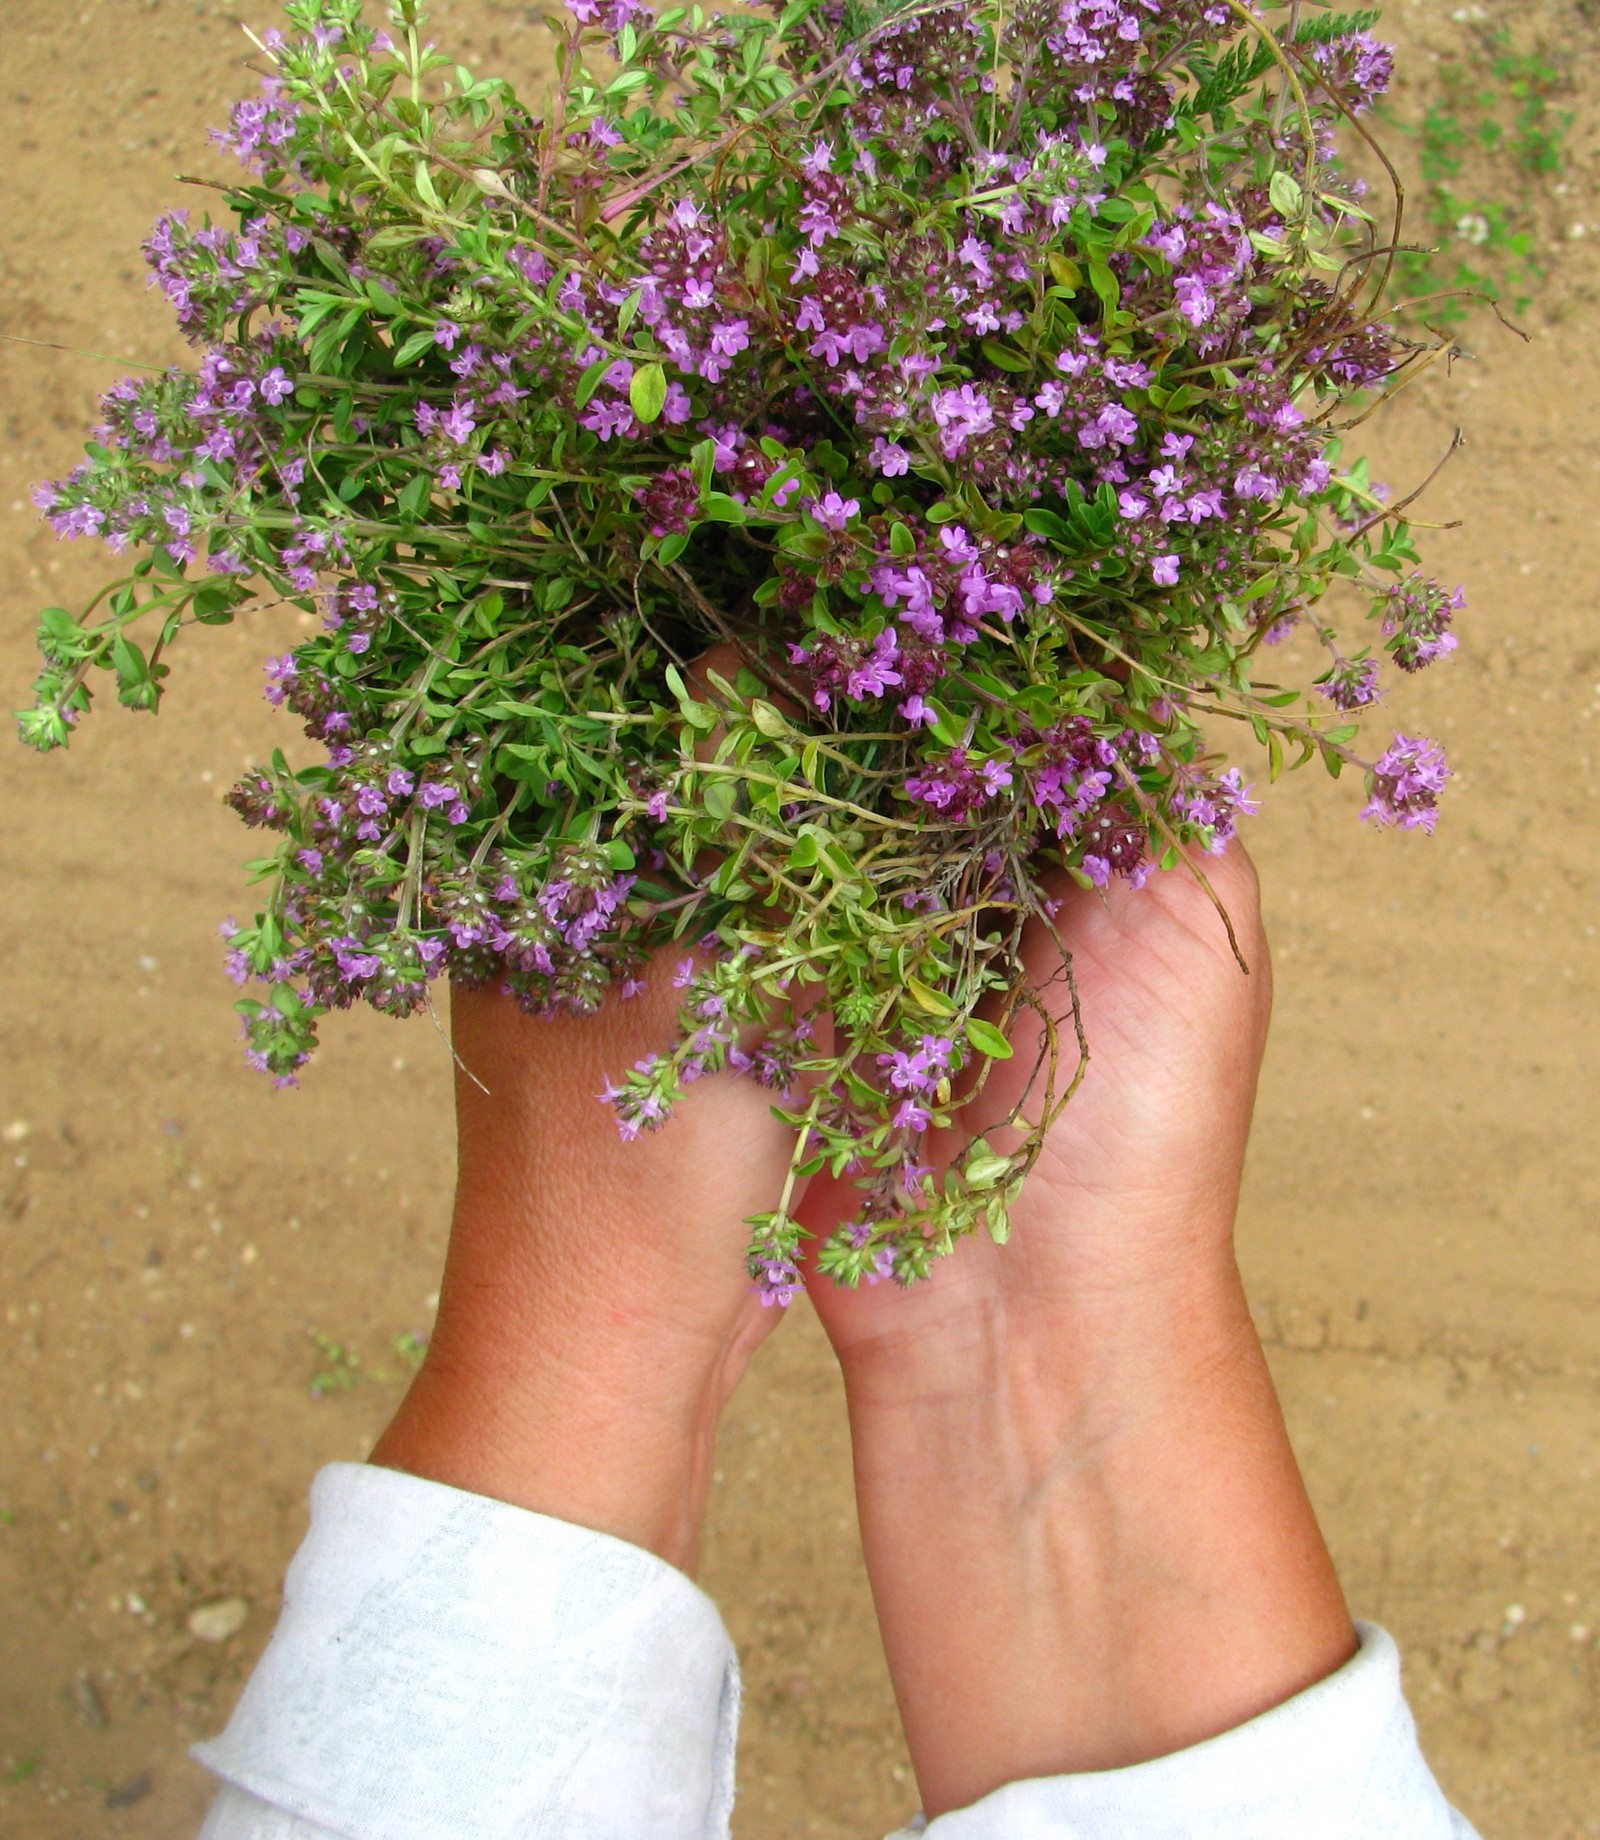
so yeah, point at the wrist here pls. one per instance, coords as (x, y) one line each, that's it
(1079, 1344)
(593, 1415)
(1112, 1483)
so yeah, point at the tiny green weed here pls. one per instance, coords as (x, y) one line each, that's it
(1490, 135)
(340, 1368)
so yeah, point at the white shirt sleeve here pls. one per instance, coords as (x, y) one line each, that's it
(1337, 1762)
(447, 1667)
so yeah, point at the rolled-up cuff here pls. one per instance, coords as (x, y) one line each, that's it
(446, 1665)
(1337, 1762)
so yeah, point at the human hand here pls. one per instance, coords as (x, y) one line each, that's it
(595, 1313)
(1137, 1180)
(1086, 1534)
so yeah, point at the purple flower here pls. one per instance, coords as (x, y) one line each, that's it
(890, 458)
(457, 423)
(355, 966)
(833, 512)
(1416, 618)
(1164, 571)
(1352, 686)
(961, 415)
(607, 418)
(1358, 64)
(1194, 299)
(1405, 783)
(730, 338)
(78, 521)
(876, 672)
(778, 1281)
(281, 675)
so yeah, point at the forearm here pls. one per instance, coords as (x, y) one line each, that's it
(595, 1314)
(554, 1393)
(1100, 1554)
(560, 1428)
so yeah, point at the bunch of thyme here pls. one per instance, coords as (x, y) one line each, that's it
(969, 374)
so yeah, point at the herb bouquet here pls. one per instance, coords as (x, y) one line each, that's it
(967, 375)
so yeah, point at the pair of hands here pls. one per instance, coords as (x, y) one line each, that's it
(1086, 1535)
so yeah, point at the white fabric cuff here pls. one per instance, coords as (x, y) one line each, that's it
(447, 1667)
(1337, 1762)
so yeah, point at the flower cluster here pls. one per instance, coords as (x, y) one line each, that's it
(803, 488)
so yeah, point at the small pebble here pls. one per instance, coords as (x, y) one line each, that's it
(1580, 1632)
(125, 1794)
(88, 1703)
(216, 1622)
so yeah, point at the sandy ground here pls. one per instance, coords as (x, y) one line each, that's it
(1421, 1229)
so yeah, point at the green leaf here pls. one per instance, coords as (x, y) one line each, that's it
(647, 392)
(413, 348)
(769, 720)
(1106, 287)
(1284, 191)
(946, 727)
(589, 382)
(702, 463)
(720, 798)
(932, 1001)
(130, 662)
(987, 1039)
(383, 301)
(983, 1167)
(1004, 358)
(212, 607)
(902, 540)
(411, 501)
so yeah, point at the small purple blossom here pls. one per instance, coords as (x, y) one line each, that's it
(1405, 783)
(833, 512)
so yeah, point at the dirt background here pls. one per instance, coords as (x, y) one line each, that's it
(1421, 1229)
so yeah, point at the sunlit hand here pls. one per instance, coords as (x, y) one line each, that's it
(1139, 1176)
